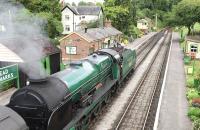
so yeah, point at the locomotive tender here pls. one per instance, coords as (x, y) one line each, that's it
(10, 120)
(70, 98)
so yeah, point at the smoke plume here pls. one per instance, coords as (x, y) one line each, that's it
(20, 31)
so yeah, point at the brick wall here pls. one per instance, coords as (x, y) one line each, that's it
(82, 47)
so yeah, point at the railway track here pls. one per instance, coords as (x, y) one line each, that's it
(141, 55)
(137, 111)
(147, 47)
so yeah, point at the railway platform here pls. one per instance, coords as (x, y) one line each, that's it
(174, 105)
(138, 42)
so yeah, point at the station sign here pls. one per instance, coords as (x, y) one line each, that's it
(8, 73)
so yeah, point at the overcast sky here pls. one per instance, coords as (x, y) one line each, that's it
(77, 1)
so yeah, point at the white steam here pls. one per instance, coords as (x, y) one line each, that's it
(19, 30)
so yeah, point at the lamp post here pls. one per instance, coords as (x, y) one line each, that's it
(156, 21)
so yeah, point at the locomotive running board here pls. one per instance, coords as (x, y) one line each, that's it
(97, 97)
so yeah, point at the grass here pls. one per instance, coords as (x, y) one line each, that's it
(197, 27)
(192, 93)
(184, 30)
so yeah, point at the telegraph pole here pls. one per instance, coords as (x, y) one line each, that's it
(156, 20)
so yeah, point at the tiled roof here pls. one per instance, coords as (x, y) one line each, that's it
(142, 21)
(95, 34)
(84, 10)
(8, 55)
(88, 10)
(195, 38)
(73, 9)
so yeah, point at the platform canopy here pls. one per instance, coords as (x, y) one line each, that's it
(6, 55)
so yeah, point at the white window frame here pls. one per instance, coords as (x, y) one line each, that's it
(67, 17)
(72, 50)
(194, 48)
(67, 28)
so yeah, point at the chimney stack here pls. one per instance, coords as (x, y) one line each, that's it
(108, 23)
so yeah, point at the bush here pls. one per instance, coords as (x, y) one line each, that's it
(196, 124)
(194, 112)
(190, 82)
(192, 93)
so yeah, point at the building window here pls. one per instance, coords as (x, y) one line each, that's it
(71, 50)
(79, 18)
(83, 17)
(67, 17)
(193, 48)
(67, 28)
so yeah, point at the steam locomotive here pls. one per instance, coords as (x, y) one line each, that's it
(69, 99)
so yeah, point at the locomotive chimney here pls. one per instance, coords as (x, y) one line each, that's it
(38, 81)
(108, 23)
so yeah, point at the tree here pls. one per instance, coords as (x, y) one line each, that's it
(122, 14)
(73, 4)
(185, 13)
(99, 4)
(82, 3)
(48, 9)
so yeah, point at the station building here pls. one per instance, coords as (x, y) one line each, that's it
(80, 44)
(192, 46)
(144, 25)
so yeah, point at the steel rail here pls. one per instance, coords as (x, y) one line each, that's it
(134, 97)
(149, 45)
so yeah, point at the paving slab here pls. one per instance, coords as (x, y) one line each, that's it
(174, 105)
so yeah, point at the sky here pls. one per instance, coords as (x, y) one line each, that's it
(77, 1)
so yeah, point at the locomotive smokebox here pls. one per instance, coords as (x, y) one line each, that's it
(43, 101)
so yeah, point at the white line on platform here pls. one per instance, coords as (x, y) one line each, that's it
(162, 89)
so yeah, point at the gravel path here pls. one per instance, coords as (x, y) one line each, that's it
(173, 114)
(117, 106)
